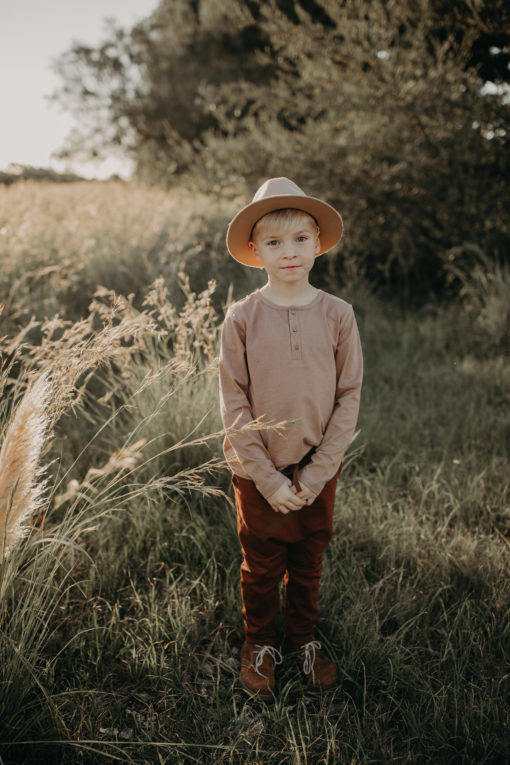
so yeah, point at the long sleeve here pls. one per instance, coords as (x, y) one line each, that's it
(245, 449)
(341, 426)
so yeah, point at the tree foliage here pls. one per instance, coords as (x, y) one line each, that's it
(377, 106)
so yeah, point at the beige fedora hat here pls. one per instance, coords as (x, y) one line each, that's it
(277, 194)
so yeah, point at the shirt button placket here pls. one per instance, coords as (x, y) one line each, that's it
(294, 335)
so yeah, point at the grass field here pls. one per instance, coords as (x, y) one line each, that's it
(120, 626)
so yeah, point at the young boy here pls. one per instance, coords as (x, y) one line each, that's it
(289, 353)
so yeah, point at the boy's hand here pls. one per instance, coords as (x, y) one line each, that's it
(285, 499)
(305, 494)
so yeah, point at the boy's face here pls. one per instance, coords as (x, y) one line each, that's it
(286, 250)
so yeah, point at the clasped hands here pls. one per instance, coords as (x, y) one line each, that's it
(287, 498)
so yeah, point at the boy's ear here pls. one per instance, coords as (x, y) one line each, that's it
(253, 248)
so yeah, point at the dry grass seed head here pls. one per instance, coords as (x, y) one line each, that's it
(21, 484)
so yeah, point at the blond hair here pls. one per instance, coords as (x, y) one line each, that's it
(284, 218)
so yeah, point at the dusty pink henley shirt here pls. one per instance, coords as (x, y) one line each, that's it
(301, 364)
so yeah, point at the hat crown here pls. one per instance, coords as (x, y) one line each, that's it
(277, 187)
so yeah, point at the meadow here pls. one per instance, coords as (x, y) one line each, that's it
(120, 625)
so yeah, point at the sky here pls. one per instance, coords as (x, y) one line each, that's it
(32, 32)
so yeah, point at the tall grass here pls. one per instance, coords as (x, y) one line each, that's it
(142, 361)
(120, 624)
(58, 244)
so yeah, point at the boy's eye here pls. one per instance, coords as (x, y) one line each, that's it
(302, 238)
(272, 242)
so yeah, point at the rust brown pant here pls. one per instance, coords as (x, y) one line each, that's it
(275, 546)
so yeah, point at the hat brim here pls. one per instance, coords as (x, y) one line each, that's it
(328, 219)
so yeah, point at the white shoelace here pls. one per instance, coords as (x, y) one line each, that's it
(272, 651)
(310, 650)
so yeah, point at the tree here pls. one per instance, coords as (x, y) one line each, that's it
(137, 92)
(376, 105)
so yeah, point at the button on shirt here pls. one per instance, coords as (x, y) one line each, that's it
(298, 365)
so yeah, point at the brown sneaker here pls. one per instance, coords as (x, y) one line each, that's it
(257, 668)
(317, 668)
